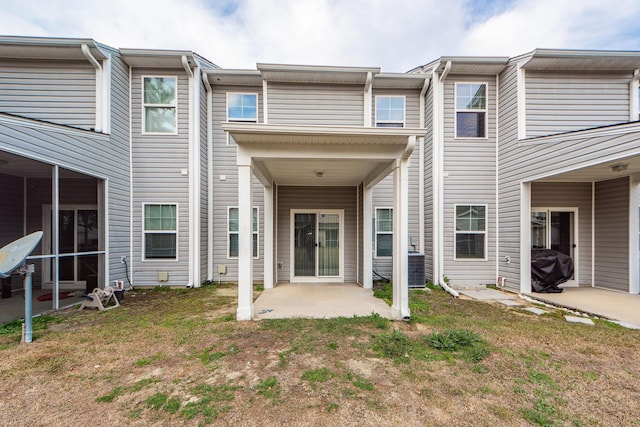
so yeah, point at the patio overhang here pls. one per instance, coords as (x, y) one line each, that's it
(311, 155)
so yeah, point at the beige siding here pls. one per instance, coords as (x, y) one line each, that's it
(158, 161)
(204, 184)
(59, 92)
(290, 198)
(566, 101)
(570, 195)
(471, 168)
(305, 104)
(428, 187)
(612, 234)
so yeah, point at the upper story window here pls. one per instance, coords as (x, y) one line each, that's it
(242, 107)
(160, 104)
(390, 111)
(471, 110)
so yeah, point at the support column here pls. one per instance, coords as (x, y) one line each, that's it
(400, 305)
(55, 222)
(525, 237)
(268, 237)
(367, 244)
(245, 242)
(634, 232)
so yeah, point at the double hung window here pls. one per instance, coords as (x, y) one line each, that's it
(160, 231)
(471, 110)
(471, 231)
(160, 105)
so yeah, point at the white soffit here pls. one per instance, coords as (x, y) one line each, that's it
(153, 58)
(587, 60)
(47, 48)
(315, 73)
(399, 81)
(234, 77)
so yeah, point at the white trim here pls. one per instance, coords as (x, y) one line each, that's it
(131, 228)
(265, 104)
(367, 245)
(176, 232)
(174, 105)
(316, 278)
(634, 96)
(470, 110)
(391, 122)
(497, 177)
(103, 219)
(485, 232)
(267, 251)
(525, 237)
(257, 232)
(593, 234)
(375, 229)
(575, 282)
(634, 233)
(521, 101)
(245, 241)
(368, 94)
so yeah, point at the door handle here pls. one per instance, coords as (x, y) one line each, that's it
(574, 245)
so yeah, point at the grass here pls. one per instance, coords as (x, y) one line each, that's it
(176, 357)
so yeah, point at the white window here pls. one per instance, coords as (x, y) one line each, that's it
(242, 107)
(160, 103)
(390, 111)
(471, 232)
(384, 232)
(160, 231)
(471, 110)
(232, 231)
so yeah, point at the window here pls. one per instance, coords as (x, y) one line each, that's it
(160, 231)
(160, 104)
(242, 107)
(390, 111)
(232, 228)
(471, 110)
(384, 232)
(471, 231)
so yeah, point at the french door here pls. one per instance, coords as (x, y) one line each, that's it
(317, 245)
(557, 229)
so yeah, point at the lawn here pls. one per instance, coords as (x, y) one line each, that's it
(177, 357)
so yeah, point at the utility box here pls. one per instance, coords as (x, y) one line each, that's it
(416, 270)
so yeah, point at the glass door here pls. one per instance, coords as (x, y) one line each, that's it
(317, 247)
(556, 228)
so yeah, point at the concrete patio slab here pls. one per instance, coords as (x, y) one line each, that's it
(607, 304)
(535, 310)
(509, 302)
(575, 319)
(318, 301)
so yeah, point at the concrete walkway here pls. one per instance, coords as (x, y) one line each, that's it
(13, 308)
(318, 301)
(612, 305)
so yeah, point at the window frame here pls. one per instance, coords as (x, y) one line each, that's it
(403, 123)
(257, 95)
(485, 232)
(145, 105)
(376, 232)
(256, 233)
(471, 110)
(145, 232)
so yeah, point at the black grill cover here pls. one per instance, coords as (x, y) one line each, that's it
(549, 268)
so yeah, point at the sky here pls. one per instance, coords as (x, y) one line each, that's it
(396, 35)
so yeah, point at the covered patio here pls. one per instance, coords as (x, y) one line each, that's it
(324, 158)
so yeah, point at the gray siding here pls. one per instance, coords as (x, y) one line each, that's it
(305, 104)
(204, 184)
(317, 198)
(59, 92)
(612, 234)
(225, 191)
(428, 187)
(157, 178)
(569, 195)
(564, 101)
(471, 168)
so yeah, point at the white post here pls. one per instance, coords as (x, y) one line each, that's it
(400, 305)
(268, 237)
(367, 244)
(55, 220)
(245, 241)
(634, 232)
(525, 237)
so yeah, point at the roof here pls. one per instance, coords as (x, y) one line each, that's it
(21, 47)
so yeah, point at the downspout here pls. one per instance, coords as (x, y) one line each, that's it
(497, 184)
(423, 93)
(634, 107)
(193, 242)
(444, 285)
(99, 85)
(131, 234)
(207, 86)
(368, 99)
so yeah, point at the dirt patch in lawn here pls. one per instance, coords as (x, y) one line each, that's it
(177, 357)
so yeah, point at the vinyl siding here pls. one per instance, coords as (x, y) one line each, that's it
(569, 195)
(61, 92)
(204, 184)
(471, 168)
(564, 101)
(612, 234)
(411, 105)
(157, 179)
(428, 187)
(320, 198)
(307, 104)
(361, 225)
(225, 191)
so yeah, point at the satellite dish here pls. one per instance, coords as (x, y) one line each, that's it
(14, 254)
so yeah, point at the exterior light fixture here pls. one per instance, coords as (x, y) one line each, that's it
(319, 174)
(619, 167)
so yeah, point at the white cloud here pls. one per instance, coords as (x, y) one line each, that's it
(396, 35)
